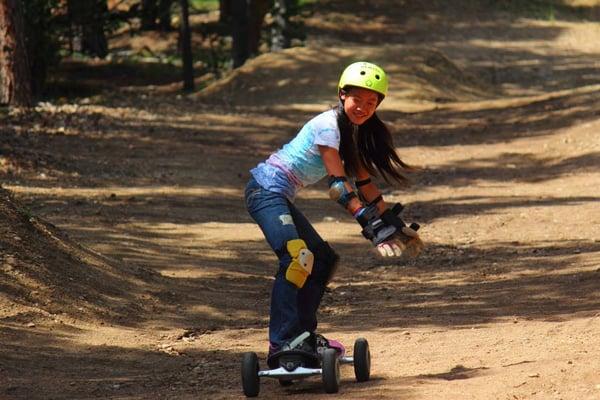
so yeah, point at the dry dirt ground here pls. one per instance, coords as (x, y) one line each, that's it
(129, 268)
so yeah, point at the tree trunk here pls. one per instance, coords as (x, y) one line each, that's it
(257, 9)
(156, 10)
(224, 10)
(15, 76)
(239, 32)
(94, 40)
(164, 15)
(89, 17)
(148, 15)
(247, 18)
(186, 47)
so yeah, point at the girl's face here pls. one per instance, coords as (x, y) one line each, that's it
(359, 104)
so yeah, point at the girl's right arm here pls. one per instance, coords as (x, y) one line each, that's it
(344, 194)
(335, 168)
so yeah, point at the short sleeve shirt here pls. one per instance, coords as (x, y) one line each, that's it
(299, 163)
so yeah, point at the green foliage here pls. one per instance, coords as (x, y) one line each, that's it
(204, 5)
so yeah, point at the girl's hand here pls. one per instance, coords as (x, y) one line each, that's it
(390, 248)
(410, 245)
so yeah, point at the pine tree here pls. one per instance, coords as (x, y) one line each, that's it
(15, 76)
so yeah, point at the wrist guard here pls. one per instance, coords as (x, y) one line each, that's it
(338, 191)
(379, 229)
(374, 227)
(392, 217)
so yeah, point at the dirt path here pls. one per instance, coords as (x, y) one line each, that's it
(173, 281)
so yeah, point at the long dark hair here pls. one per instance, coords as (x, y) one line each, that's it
(370, 145)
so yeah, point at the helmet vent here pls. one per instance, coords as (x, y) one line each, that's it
(363, 73)
(377, 77)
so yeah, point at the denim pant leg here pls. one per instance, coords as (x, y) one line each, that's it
(309, 297)
(271, 212)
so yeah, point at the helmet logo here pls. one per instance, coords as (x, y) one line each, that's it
(369, 83)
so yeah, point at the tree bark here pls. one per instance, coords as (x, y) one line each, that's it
(164, 15)
(15, 76)
(89, 17)
(224, 10)
(257, 9)
(186, 47)
(239, 32)
(94, 38)
(148, 16)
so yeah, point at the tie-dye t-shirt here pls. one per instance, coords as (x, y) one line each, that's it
(299, 163)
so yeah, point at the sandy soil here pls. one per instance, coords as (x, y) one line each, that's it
(130, 269)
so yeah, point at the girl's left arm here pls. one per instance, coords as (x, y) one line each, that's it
(369, 191)
(389, 246)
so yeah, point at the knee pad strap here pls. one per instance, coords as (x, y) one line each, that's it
(329, 258)
(302, 262)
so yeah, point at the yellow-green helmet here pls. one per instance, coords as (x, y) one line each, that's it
(365, 75)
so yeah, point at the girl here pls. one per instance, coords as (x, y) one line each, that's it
(350, 141)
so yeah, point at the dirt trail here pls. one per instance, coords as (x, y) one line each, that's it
(171, 282)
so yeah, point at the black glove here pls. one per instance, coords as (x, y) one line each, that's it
(403, 232)
(388, 232)
(374, 227)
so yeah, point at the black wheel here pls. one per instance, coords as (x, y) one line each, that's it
(362, 360)
(250, 379)
(331, 371)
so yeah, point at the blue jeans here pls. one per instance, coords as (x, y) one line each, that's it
(293, 310)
